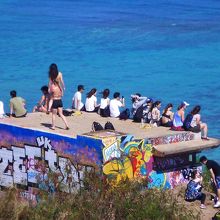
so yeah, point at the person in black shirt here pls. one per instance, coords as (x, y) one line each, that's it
(214, 169)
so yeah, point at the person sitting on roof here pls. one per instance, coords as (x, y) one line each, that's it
(137, 101)
(91, 101)
(196, 124)
(167, 116)
(155, 114)
(42, 105)
(179, 117)
(104, 104)
(17, 106)
(77, 99)
(2, 112)
(115, 104)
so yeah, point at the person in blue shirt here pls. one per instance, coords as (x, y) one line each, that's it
(193, 190)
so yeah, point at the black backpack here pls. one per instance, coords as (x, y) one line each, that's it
(67, 112)
(187, 121)
(138, 114)
(125, 114)
(109, 126)
(96, 126)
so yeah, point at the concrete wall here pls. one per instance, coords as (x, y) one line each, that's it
(133, 159)
(27, 156)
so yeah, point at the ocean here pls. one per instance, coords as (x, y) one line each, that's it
(167, 50)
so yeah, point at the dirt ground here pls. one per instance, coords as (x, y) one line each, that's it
(205, 214)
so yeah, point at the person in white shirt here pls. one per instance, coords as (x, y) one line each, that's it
(2, 112)
(77, 99)
(155, 114)
(196, 124)
(104, 105)
(115, 104)
(91, 101)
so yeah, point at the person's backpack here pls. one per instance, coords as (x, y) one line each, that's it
(109, 126)
(138, 114)
(96, 126)
(125, 114)
(216, 216)
(187, 121)
(67, 112)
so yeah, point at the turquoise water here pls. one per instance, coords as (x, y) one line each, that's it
(168, 50)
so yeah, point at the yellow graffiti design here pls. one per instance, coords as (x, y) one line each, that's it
(132, 166)
(117, 170)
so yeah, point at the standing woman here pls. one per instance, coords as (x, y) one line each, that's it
(57, 104)
(54, 74)
(91, 101)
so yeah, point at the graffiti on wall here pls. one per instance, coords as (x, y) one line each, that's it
(171, 162)
(127, 158)
(186, 136)
(31, 166)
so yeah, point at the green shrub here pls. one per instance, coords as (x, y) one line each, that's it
(129, 200)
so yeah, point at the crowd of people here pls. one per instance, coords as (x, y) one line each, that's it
(144, 109)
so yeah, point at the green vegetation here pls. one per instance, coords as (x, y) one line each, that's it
(129, 200)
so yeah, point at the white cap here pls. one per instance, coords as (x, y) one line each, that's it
(185, 103)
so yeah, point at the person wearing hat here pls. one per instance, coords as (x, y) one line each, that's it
(179, 117)
(77, 99)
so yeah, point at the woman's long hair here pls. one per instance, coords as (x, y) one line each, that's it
(196, 110)
(168, 106)
(91, 93)
(105, 93)
(53, 71)
(180, 106)
(155, 105)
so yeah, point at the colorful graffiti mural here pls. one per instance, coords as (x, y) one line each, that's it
(30, 166)
(185, 136)
(27, 157)
(133, 159)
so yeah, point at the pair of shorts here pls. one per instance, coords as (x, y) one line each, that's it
(179, 128)
(57, 103)
(217, 179)
(195, 129)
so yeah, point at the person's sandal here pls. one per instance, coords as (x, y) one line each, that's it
(67, 128)
(205, 138)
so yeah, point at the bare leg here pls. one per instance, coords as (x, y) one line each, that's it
(204, 129)
(50, 104)
(218, 194)
(54, 112)
(34, 109)
(60, 111)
